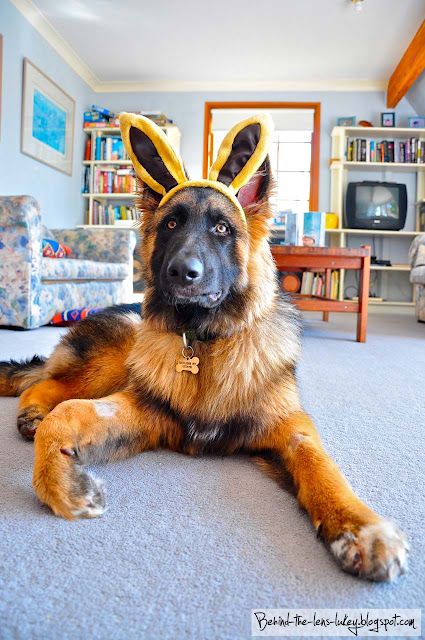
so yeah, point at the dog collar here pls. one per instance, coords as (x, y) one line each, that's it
(191, 334)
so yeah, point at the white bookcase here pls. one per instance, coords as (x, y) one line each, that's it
(171, 131)
(340, 175)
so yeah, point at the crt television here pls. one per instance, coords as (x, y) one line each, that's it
(376, 205)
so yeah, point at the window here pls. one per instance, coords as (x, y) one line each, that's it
(293, 153)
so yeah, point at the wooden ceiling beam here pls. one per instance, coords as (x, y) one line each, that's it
(408, 69)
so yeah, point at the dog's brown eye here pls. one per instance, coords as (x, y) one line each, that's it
(221, 228)
(171, 224)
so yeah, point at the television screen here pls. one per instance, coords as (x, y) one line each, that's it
(376, 205)
(377, 202)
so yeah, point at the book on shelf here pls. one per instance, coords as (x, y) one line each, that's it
(314, 284)
(109, 214)
(110, 179)
(410, 151)
(110, 148)
(306, 229)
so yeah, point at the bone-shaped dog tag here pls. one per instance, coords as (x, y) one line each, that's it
(187, 364)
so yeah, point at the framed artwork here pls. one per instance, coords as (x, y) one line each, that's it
(346, 121)
(417, 122)
(388, 119)
(1, 74)
(47, 132)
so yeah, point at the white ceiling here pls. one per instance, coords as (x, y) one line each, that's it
(189, 44)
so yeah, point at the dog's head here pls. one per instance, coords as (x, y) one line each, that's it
(203, 242)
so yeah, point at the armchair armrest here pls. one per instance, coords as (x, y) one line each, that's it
(20, 260)
(102, 245)
(20, 211)
(417, 252)
(20, 229)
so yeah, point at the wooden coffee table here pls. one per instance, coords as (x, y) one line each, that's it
(327, 259)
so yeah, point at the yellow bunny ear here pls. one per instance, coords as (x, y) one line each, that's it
(153, 157)
(242, 152)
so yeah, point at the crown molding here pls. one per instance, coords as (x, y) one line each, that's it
(49, 33)
(204, 86)
(35, 17)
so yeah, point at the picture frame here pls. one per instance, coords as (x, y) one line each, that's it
(388, 119)
(346, 121)
(1, 75)
(416, 122)
(48, 113)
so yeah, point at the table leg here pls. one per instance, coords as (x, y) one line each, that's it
(328, 279)
(363, 299)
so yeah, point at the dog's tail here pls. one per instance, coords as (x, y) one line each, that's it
(15, 376)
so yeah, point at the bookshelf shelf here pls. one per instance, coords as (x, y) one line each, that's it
(109, 196)
(387, 166)
(376, 232)
(123, 224)
(392, 303)
(340, 169)
(112, 162)
(393, 267)
(387, 132)
(102, 129)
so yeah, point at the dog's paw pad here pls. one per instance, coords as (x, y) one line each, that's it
(28, 421)
(91, 502)
(376, 552)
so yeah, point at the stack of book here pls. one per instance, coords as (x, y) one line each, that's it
(411, 150)
(100, 117)
(313, 284)
(110, 214)
(111, 179)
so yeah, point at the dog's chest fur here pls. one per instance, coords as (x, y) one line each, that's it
(244, 384)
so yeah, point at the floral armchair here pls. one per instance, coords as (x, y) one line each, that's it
(417, 274)
(33, 288)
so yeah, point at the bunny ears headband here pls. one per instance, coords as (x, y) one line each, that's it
(240, 155)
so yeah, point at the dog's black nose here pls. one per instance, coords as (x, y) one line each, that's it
(185, 270)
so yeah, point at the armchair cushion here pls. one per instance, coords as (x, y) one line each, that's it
(68, 269)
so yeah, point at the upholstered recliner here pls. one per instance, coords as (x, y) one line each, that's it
(417, 274)
(33, 289)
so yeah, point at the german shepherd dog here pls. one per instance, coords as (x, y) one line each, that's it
(208, 367)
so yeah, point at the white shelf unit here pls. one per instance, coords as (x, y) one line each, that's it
(340, 168)
(171, 131)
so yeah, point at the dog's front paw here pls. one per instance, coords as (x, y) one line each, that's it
(375, 551)
(76, 494)
(29, 419)
(90, 499)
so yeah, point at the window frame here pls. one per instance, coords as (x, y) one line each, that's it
(315, 138)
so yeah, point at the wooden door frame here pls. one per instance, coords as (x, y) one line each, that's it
(315, 139)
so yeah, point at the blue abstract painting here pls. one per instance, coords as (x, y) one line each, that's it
(49, 122)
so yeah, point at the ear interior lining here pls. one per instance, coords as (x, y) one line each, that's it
(144, 149)
(243, 147)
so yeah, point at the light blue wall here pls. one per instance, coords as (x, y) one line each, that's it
(58, 194)
(416, 95)
(187, 110)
